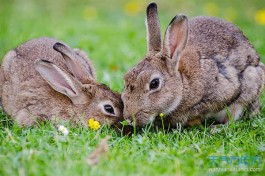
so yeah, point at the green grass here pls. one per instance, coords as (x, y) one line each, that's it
(115, 41)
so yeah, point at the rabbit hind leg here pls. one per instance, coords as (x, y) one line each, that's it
(254, 108)
(24, 118)
(234, 111)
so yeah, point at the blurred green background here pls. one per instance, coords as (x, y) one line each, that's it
(112, 32)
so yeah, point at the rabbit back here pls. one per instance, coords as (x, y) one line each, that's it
(222, 41)
(23, 87)
(219, 67)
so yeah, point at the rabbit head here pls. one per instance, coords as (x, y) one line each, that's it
(154, 86)
(89, 98)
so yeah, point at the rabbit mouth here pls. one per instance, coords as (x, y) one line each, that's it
(173, 106)
(149, 117)
(152, 119)
(143, 118)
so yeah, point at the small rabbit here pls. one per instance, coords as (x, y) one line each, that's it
(205, 68)
(45, 79)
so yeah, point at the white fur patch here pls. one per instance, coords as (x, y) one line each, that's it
(150, 120)
(173, 106)
(237, 110)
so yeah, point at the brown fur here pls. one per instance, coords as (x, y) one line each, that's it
(205, 71)
(27, 97)
(2, 79)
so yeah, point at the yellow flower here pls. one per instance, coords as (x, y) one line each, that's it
(132, 8)
(230, 14)
(260, 17)
(90, 12)
(211, 9)
(161, 115)
(93, 124)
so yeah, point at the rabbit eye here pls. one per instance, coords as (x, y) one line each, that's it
(109, 109)
(154, 84)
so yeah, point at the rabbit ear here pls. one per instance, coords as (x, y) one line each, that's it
(61, 81)
(176, 38)
(79, 67)
(83, 55)
(153, 28)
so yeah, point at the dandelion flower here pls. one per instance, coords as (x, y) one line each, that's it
(93, 124)
(132, 8)
(63, 129)
(260, 17)
(211, 9)
(161, 115)
(231, 14)
(90, 12)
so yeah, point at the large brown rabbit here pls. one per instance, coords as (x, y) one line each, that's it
(45, 79)
(205, 68)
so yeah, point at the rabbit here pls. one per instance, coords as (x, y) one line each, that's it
(44, 79)
(205, 68)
